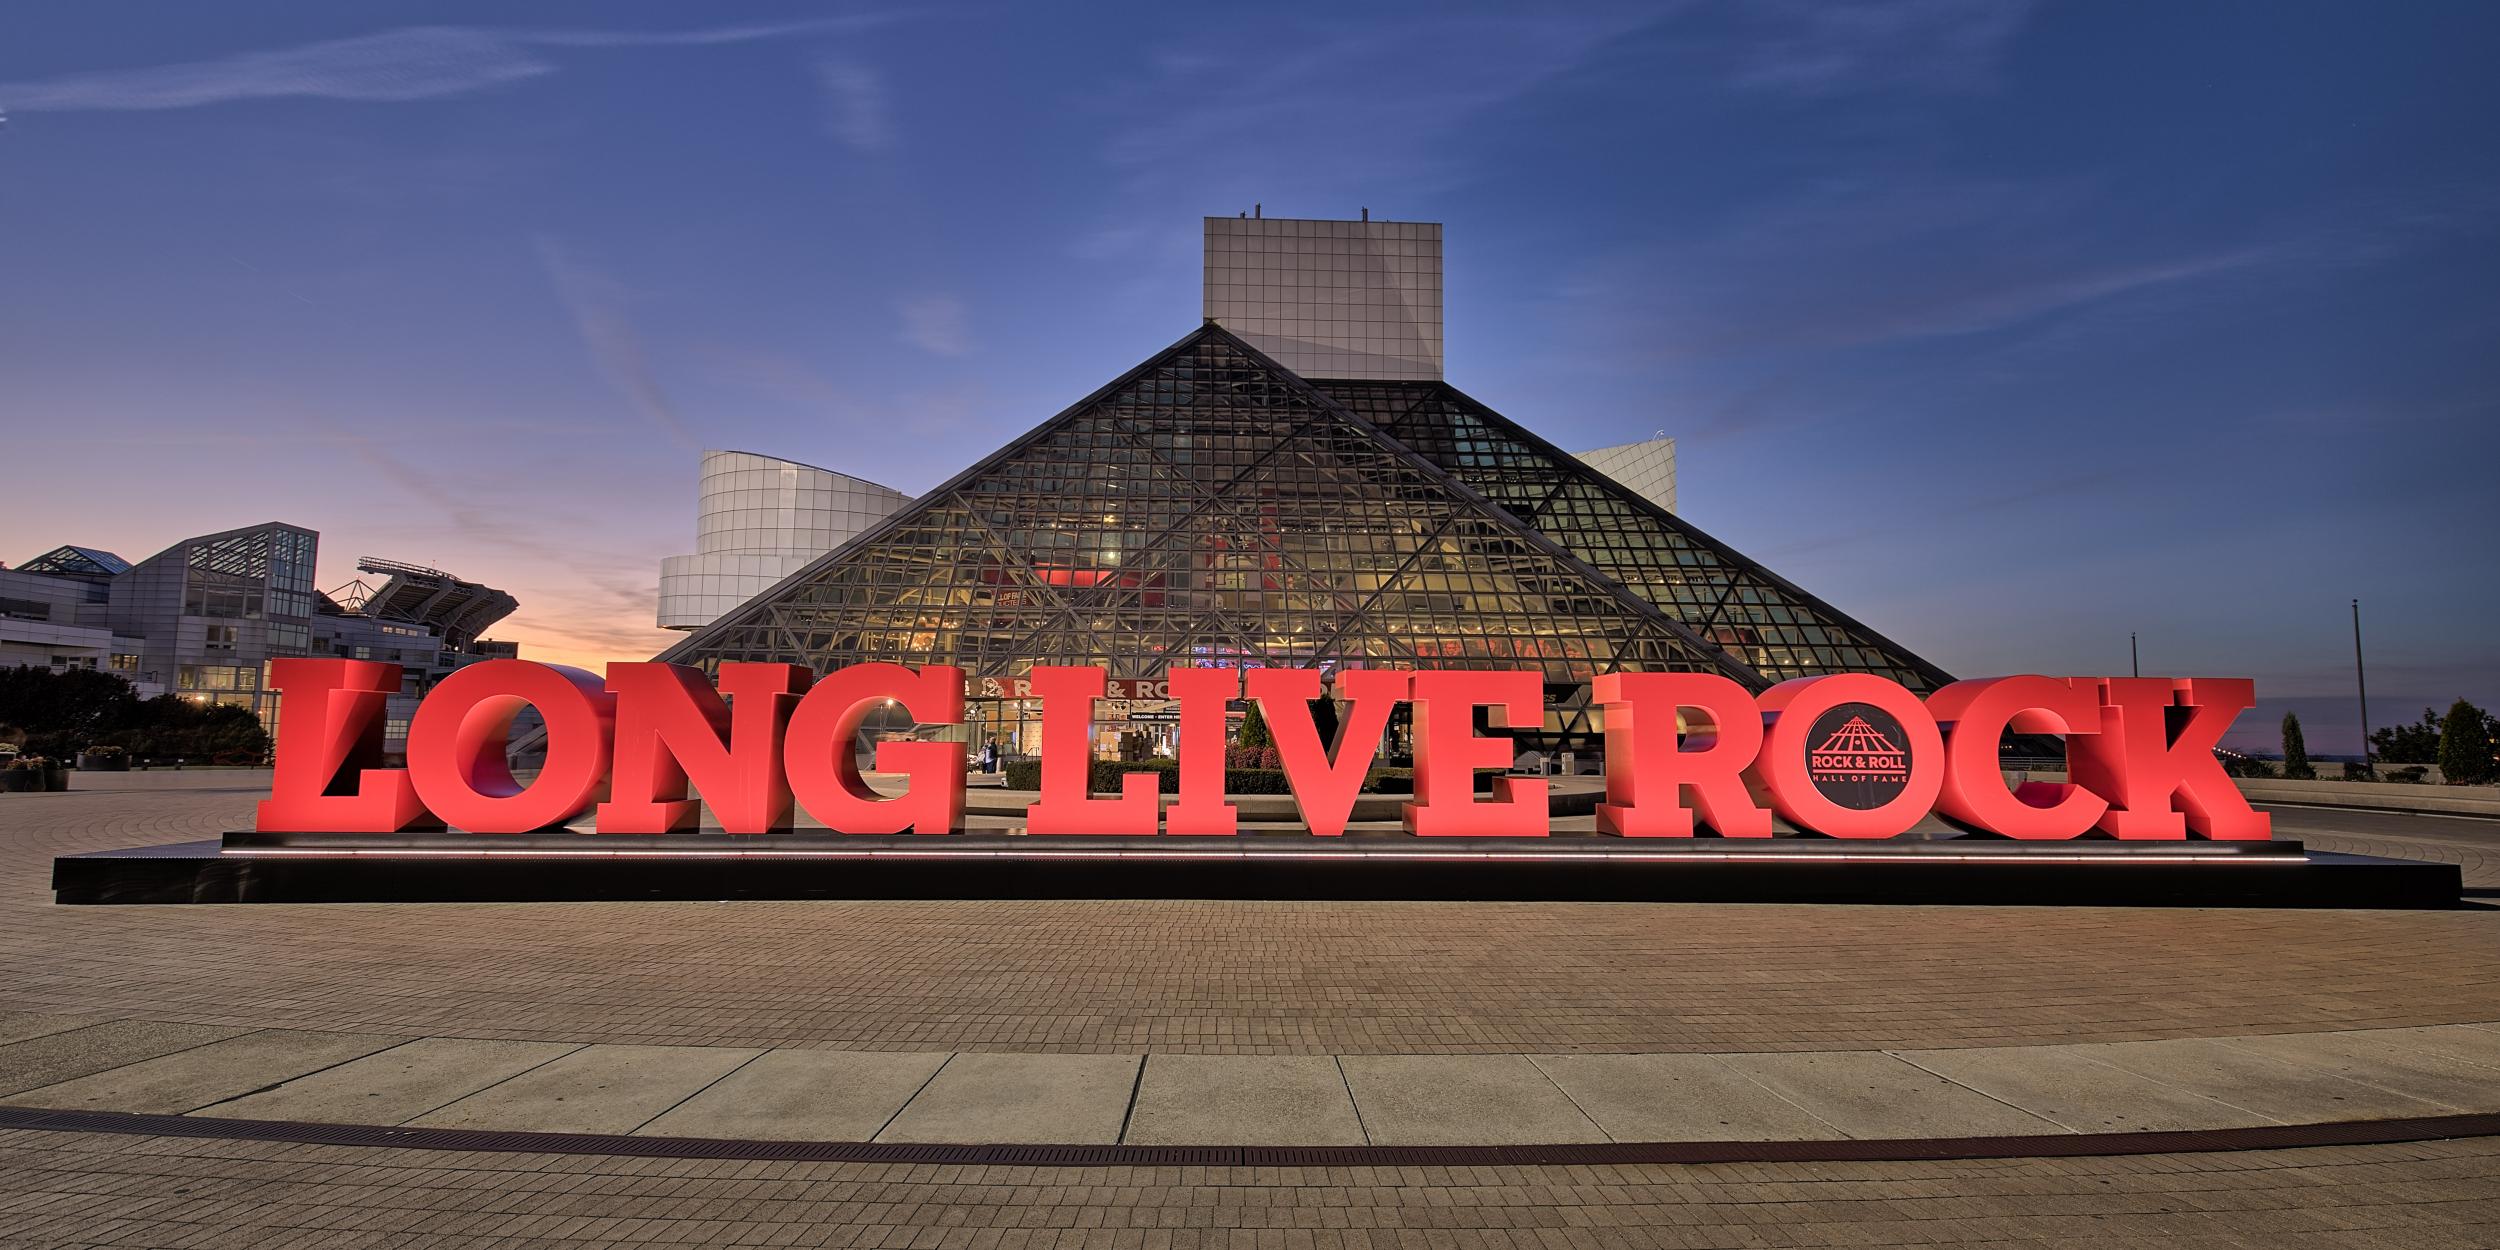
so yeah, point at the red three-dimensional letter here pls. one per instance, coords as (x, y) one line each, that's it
(819, 750)
(1067, 694)
(1786, 766)
(1974, 716)
(1201, 808)
(1448, 753)
(671, 726)
(1325, 790)
(2160, 785)
(329, 777)
(1648, 770)
(457, 742)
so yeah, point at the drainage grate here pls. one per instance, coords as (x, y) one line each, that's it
(2269, 1137)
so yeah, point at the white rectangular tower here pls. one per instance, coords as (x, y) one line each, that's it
(1330, 299)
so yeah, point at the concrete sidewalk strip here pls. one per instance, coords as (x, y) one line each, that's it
(17, 1026)
(1022, 1100)
(802, 1095)
(597, 1089)
(392, 1086)
(1441, 1100)
(2290, 1093)
(2060, 1084)
(1871, 1094)
(56, 1057)
(738, 1093)
(1670, 1097)
(190, 1079)
(2465, 1043)
(2371, 1059)
(1243, 1100)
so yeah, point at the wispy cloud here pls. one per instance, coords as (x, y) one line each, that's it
(1363, 100)
(707, 37)
(1884, 257)
(1817, 47)
(581, 602)
(936, 323)
(411, 63)
(855, 104)
(597, 304)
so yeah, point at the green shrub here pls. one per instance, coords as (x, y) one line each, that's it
(2409, 774)
(2465, 745)
(60, 714)
(2247, 766)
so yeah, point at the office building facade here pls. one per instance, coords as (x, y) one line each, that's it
(203, 618)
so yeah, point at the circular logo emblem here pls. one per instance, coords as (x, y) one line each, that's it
(1858, 757)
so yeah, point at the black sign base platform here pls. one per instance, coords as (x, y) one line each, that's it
(438, 867)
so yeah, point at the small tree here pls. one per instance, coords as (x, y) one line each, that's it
(1253, 735)
(2408, 744)
(2296, 765)
(2465, 745)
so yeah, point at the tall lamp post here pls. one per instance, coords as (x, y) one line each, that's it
(2361, 681)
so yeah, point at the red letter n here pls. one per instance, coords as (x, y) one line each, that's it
(672, 727)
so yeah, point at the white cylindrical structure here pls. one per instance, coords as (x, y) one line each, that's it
(760, 520)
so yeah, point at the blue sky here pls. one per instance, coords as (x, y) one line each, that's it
(2008, 328)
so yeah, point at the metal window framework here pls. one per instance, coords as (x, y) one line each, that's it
(1210, 506)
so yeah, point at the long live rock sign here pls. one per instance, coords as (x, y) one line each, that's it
(2140, 748)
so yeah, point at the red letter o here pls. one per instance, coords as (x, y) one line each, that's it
(1849, 755)
(457, 740)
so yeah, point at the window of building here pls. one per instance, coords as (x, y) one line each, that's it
(216, 677)
(231, 603)
(220, 638)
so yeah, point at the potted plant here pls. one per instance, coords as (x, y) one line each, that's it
(23, 774)
(104, 759)
(55, 775)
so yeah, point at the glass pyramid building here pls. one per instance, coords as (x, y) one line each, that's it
(1210, 507)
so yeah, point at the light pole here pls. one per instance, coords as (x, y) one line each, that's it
(2361, 681)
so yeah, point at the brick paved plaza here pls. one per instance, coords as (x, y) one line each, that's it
(1182, 978)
